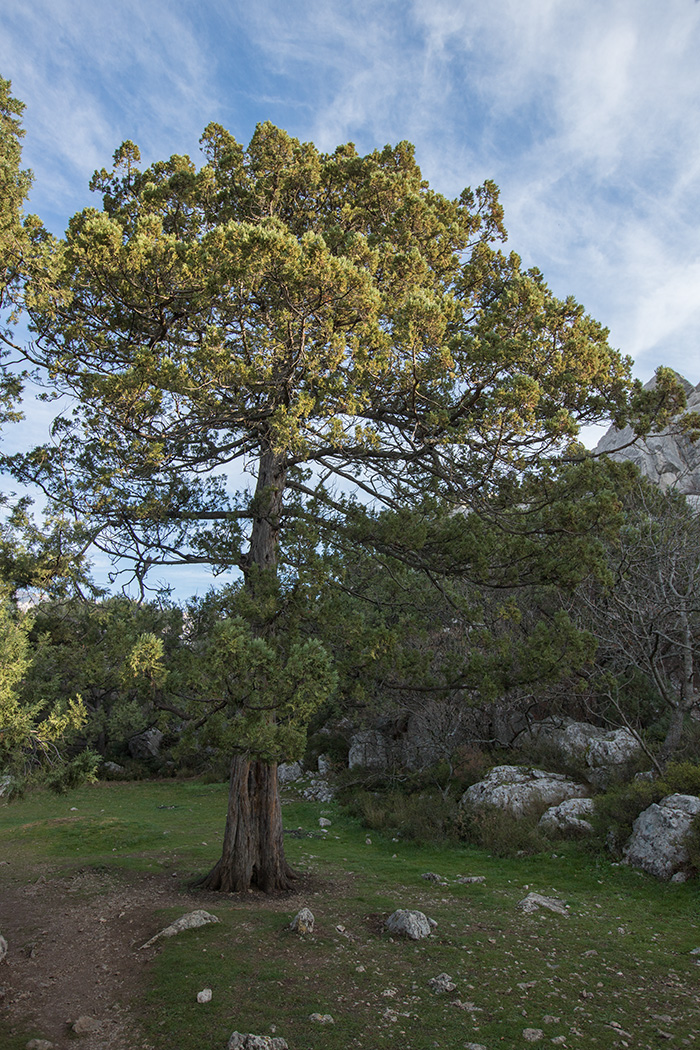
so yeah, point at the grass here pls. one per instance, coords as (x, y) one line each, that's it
(616, 971)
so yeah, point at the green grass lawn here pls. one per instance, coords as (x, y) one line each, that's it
(617, 970)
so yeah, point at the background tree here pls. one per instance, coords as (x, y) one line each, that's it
(646, 617)
(330, 326)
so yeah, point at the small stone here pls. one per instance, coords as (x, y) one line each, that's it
(474, 1046)
(321, 1018)
(368, 841)
(469, 879)
(3, 948)
(324, 822)
(532, 1035)
(680, 876)
(442, 983)
(241, 1041)
(39, 1044)
(559, 1040)
(204, 996)
(303, 922)
(86, 1025)
(430, 876)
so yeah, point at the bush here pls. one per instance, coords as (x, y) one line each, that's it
(501, 833)
(424, 817)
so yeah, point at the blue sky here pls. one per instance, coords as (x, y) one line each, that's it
(586, 113)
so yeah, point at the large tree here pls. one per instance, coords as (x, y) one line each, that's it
(327, 325)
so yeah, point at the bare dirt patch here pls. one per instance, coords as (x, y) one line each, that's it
(73, 952)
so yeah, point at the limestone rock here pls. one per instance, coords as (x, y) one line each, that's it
(369, 749)
(239, 1041)
(442, 983)
(86, 1025)
(412, 924)
(205, 996)
(517, 789)
(321, 1018)
(657, 841)
(3, 947)
(319, 790)
(39, 1044)
(534, 901)
(568, 816)
(288, 772)
(191, 921)
(112, 769)
(303, 922)
(324, 764)
(146, 744)
(601, 750)
(532, 1035)
(669, 458)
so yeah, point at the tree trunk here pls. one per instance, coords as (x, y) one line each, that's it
(673, 735)
(253, 850)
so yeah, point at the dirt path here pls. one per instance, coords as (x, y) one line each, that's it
(73, 953)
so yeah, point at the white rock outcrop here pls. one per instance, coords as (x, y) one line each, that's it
(369, 749)
(657, 842)
(288, 772)
(518, 789)
(669, 458)
(601, 751)
(569, 816)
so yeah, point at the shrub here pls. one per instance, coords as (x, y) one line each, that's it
(501, 833)
(422, 817)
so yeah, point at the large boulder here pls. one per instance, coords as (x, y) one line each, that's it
(600, 751)
(369, 748)
(146, 744)
(657, 844)
(288, 772)
(406, 923)
(519, 789)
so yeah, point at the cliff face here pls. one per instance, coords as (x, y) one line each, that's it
(667, 458)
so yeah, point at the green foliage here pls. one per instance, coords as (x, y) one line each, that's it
(317, 318)
(617, 810)
(421, 817)
(110, 652)
(500, 833)
(260, 696)
(34, 733)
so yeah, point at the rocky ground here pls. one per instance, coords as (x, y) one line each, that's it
(73, 963)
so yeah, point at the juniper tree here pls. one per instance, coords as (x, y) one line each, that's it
(326, 325)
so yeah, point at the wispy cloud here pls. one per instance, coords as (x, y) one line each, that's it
(587, 114)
